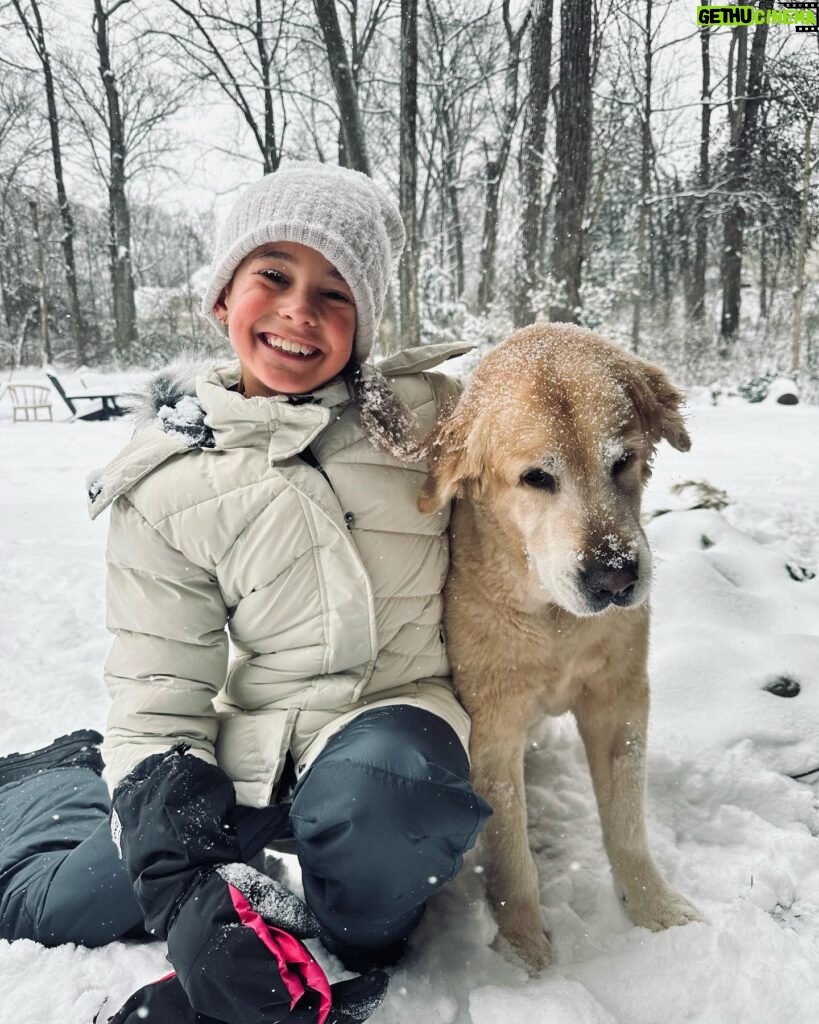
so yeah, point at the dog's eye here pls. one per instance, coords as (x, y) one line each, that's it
(625, 460)
(541, 479)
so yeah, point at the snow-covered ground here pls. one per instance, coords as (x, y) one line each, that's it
(728, 827)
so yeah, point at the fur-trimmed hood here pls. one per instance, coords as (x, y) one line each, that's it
(169, 396)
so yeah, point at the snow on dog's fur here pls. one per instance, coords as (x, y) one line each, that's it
(546, 605)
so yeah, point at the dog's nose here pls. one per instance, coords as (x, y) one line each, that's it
(604, 585)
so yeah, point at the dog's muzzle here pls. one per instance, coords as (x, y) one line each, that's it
(601, 585)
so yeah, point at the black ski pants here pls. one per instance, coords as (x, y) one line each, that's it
(380, 820)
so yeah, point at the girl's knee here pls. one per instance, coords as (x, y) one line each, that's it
(354, 806)
(387, 811)
(400, 738)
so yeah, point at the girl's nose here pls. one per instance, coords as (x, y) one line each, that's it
(297, 305)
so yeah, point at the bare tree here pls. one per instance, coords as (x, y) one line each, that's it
(408, 163)
(23, 146)
(573, 134)
(534, 137)
(360, 30)
(124, 122)
(119, 219)
(352, 127)
(744, 116)
(45, 334)
(645, 176)
(243, 51)
(345, 72)
(445, 130)
(437, 109)
(457, 75)
(696, 300)
(33, 26)
(798, 80)
(495, 163)
(810, 113)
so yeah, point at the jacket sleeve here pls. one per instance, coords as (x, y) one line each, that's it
(169, 656)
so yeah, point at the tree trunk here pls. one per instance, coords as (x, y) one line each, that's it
(684, 225)
(739, 158)
(730, 268)
(408, 177)
(352, 128)
(486, 283)
(92, 277)
(672, 226)
(540, 62)
(451, 203)
(573, 133)
(763, 270)
(801, 250)
(543, 229)
(645, 184)
(45, 337)
(5, 298)
(495, 168)
(696, 302)
(270, 155)
(37, 38)
(119, 218)
(18, 354)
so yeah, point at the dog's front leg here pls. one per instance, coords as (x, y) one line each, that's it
(497, 746)
(614, 729)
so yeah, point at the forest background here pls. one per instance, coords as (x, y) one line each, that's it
(608, 162)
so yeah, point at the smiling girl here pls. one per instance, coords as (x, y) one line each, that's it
(291, 319)
(278, 669)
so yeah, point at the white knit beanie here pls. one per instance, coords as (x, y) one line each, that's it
(341, 213)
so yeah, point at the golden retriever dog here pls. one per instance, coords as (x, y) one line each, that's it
(546, 602)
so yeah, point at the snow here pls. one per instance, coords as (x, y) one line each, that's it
(275, 903)
(728, 828)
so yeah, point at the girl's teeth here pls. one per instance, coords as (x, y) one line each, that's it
(287, 346)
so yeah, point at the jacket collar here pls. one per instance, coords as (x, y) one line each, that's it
(284, 424)
(185, 407)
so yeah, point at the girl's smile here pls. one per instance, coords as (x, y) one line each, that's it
(296, 348)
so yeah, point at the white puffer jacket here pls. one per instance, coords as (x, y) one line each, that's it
(327, 577)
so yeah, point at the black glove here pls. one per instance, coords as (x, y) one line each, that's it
(165, 1002)
(161, 1002)
(232, 932)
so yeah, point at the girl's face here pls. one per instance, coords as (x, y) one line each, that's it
(291, 319)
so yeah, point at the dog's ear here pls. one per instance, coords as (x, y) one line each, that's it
(451, 462)
(658, 405)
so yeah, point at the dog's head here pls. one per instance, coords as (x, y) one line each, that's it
(554, 436)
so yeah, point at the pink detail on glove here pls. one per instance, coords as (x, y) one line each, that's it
(288, 952)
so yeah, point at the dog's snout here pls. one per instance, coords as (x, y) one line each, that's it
(603, 584)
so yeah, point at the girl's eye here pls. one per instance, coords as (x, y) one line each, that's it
(273, 275)
(338, 296)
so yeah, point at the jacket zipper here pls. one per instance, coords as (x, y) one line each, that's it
(308, 455)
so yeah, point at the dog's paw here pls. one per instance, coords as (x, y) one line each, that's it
(521, 927)
(534, 950)
(659, 907)
(536, 953)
